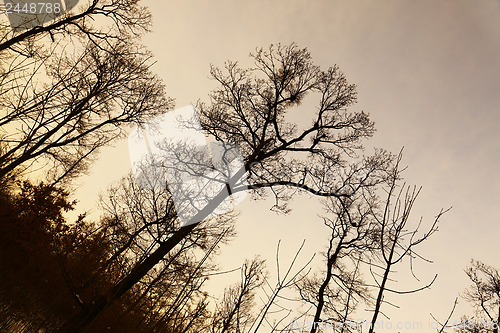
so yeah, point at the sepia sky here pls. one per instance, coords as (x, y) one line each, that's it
(428, 73)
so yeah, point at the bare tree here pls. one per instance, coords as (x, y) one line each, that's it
(121, 19)
(370, 232)
(335, 293)
(484, 295)
(68, 87)
(249, 111)
(397, 239)
(137, 221)
(235, 312)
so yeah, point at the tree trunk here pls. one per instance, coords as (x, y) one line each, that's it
(82, 321)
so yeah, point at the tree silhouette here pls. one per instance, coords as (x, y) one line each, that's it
(398, 240)
(36, 291)
(484, 295)
(68, 88)
(249, 110)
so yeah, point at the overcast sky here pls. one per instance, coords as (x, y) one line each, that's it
(427, 72)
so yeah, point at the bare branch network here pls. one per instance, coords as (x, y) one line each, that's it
(74, 84)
